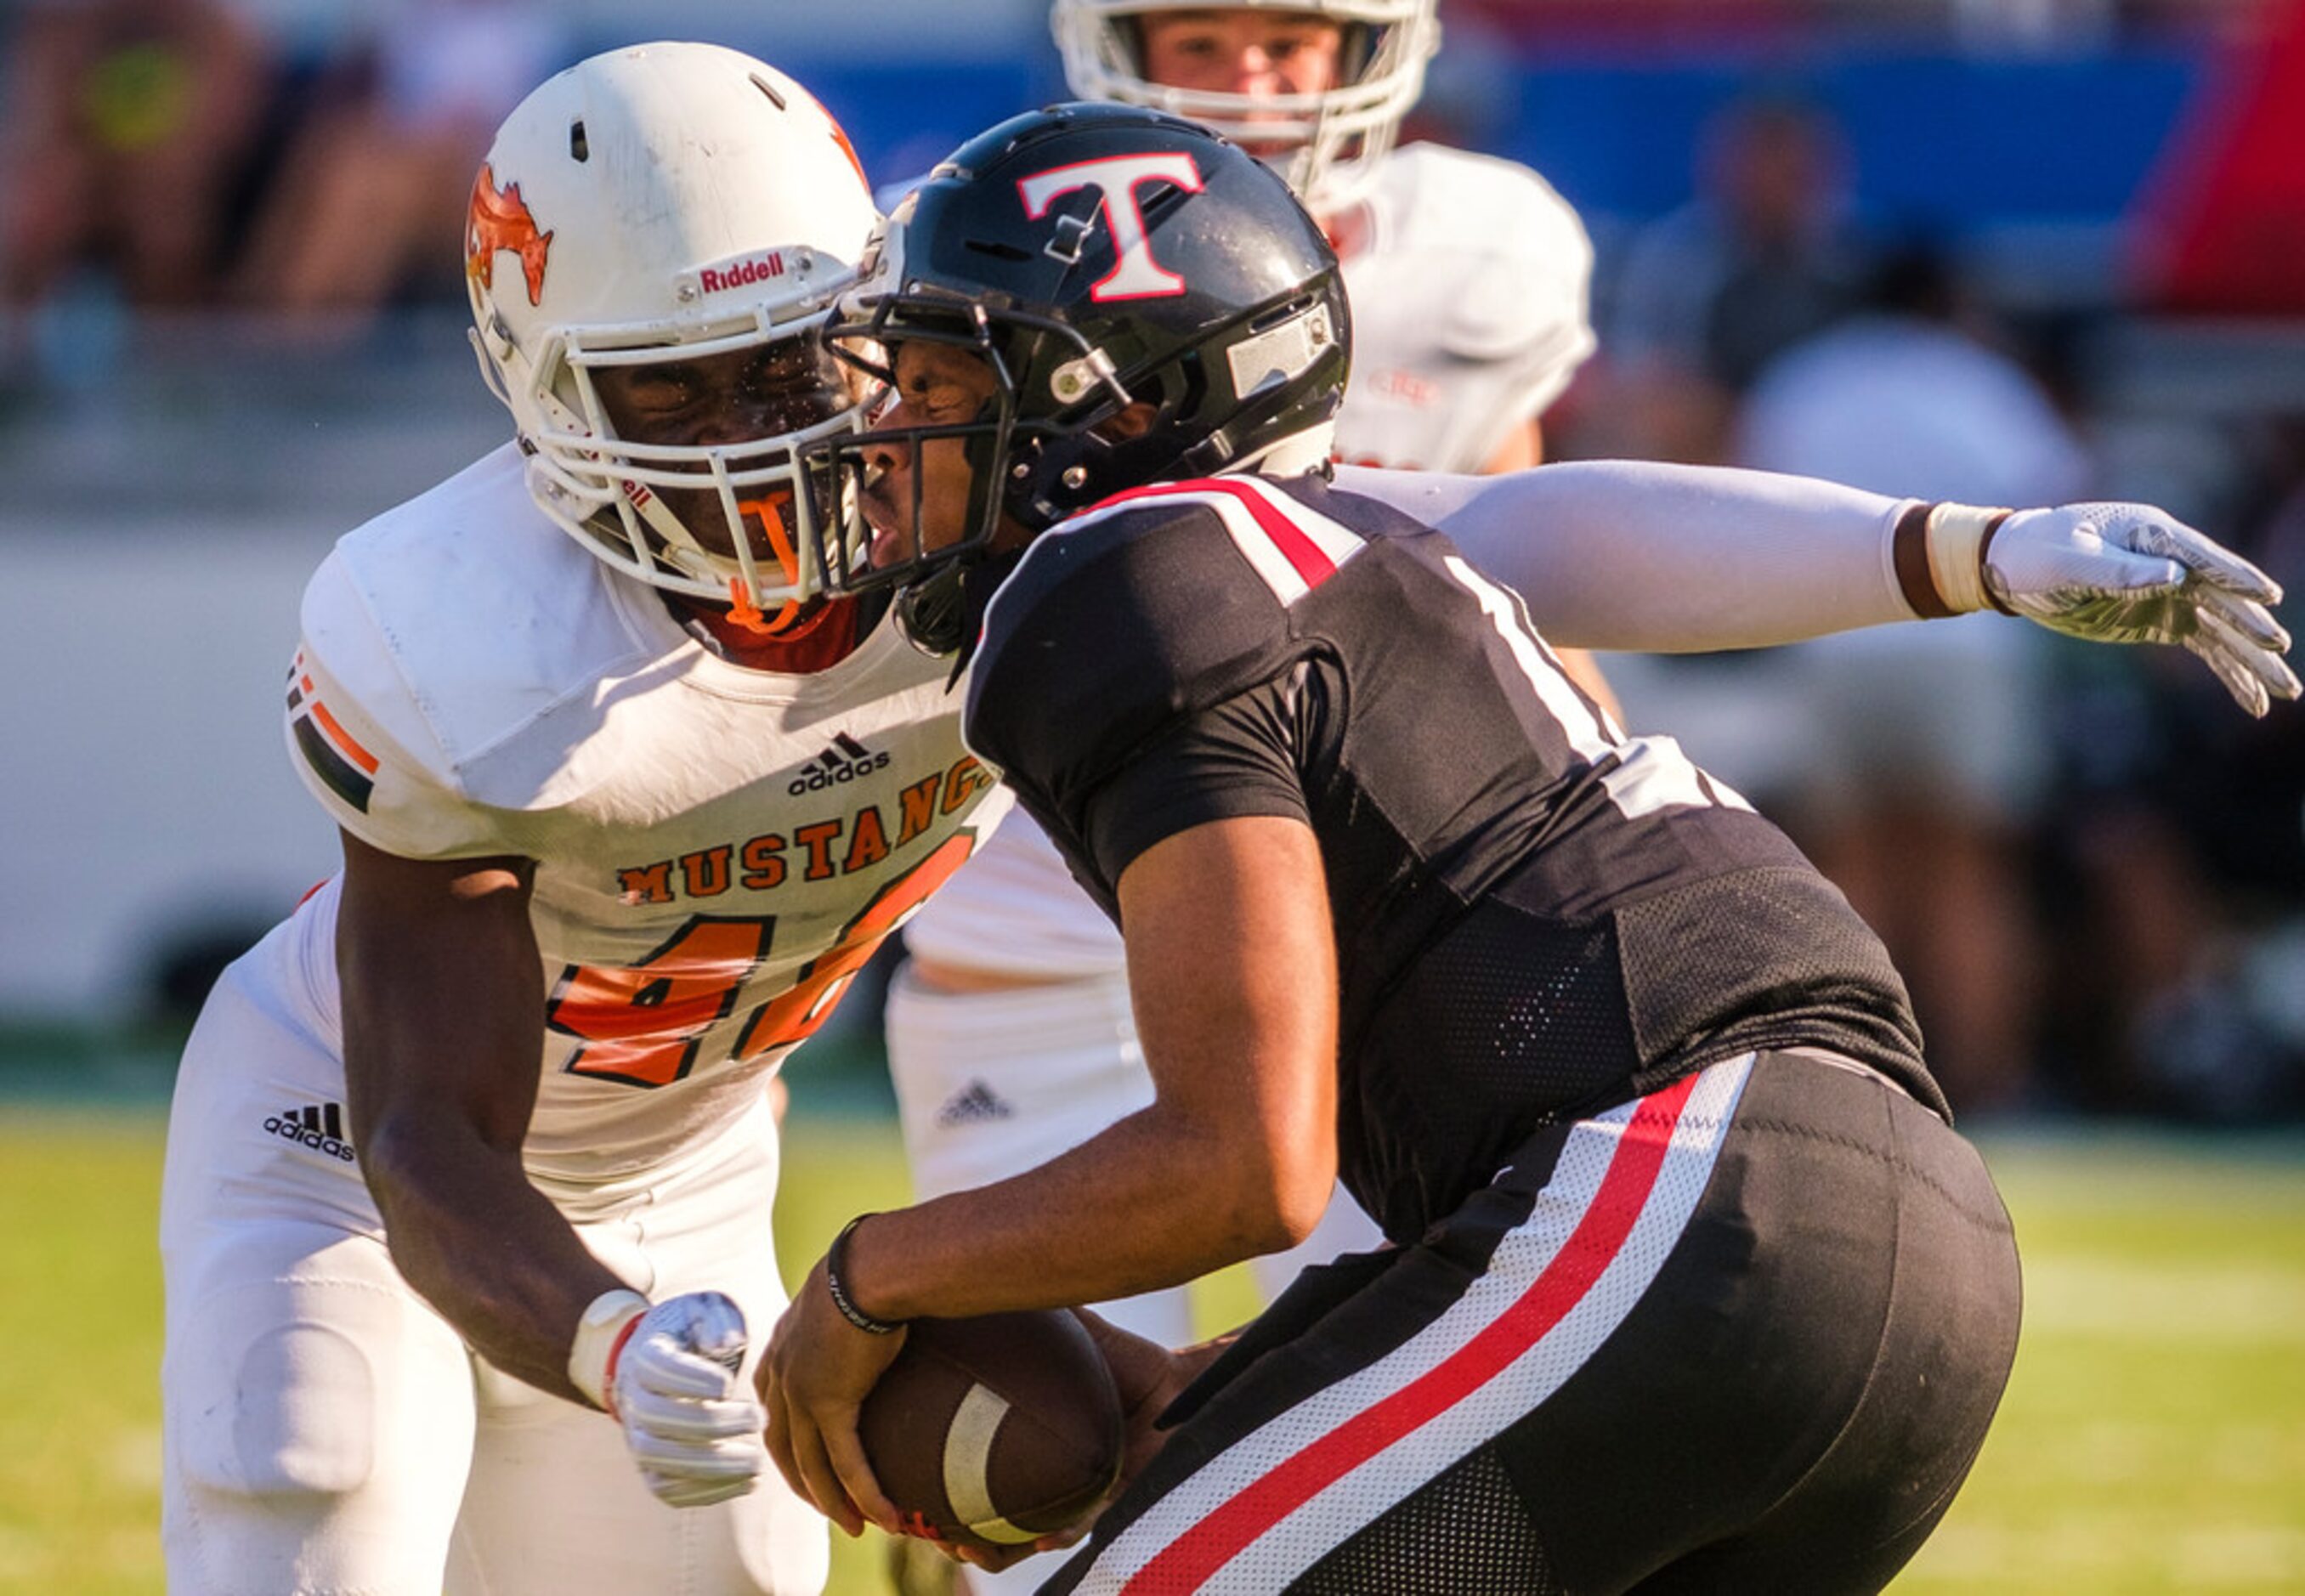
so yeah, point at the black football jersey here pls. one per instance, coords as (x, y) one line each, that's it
(1536, 916)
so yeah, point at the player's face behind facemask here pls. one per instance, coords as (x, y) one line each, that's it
(1079, 302)
(1317, 89)
(1262, 58)
(919, 494)
(927, 476)
(687, 211)
(728, 403)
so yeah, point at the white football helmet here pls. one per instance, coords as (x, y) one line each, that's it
(1332, 139)
(665, 202)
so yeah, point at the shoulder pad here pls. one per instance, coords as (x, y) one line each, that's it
(1139, 612)
(439, 640)
(464, 616)
(382, 790)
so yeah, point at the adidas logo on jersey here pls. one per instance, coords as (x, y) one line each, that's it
(845, 760)
(973, 1104)
(319, 1127)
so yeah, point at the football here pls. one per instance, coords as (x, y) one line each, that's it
(996, 1429)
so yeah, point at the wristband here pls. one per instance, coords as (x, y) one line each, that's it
(1957, 535)
(1985, 554)
(1938, 552)
(1909, 552)
(601, 1333)
(835, 1266)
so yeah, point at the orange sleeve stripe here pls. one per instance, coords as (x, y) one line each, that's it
(343, 738)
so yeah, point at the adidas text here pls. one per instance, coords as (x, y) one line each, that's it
(320, 1128)
(844, 761)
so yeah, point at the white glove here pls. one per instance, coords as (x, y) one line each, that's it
(671, 1375)
(2131, 573)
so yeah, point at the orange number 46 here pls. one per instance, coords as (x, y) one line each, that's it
(644, 1023)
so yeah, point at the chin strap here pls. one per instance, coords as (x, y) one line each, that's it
(744, 613)
(1311, 450)
(933, 613)
(742, 608)
(1220, 451)
(944, 614)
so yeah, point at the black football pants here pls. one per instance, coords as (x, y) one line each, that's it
(1743, 1334)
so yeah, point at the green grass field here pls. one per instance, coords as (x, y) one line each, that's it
(2153, 1438)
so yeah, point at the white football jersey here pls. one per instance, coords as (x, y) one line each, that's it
(1017, 911)
(1469, 280)
(718, 850)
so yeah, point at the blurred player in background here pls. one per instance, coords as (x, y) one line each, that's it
(1692, 1288)
(477, 1144)
(1009, 1029)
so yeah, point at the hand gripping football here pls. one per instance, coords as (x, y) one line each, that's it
(996, 1429)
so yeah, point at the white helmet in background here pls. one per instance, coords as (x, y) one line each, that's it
(664, 202)
(1328, 144)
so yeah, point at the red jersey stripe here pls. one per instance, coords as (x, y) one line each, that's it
(1305, 557)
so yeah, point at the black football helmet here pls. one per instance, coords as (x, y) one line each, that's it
(1094, 256)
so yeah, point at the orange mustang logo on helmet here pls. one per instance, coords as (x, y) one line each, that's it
(500, 221)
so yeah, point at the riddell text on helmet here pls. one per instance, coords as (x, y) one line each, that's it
(760, 269)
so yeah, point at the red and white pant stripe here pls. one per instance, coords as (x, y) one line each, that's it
(1279, 1499)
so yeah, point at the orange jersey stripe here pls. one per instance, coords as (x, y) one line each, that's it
(341, 738)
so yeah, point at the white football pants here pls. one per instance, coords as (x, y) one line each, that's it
(325, 1432)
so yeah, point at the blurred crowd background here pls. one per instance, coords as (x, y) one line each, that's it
(2007, 251)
